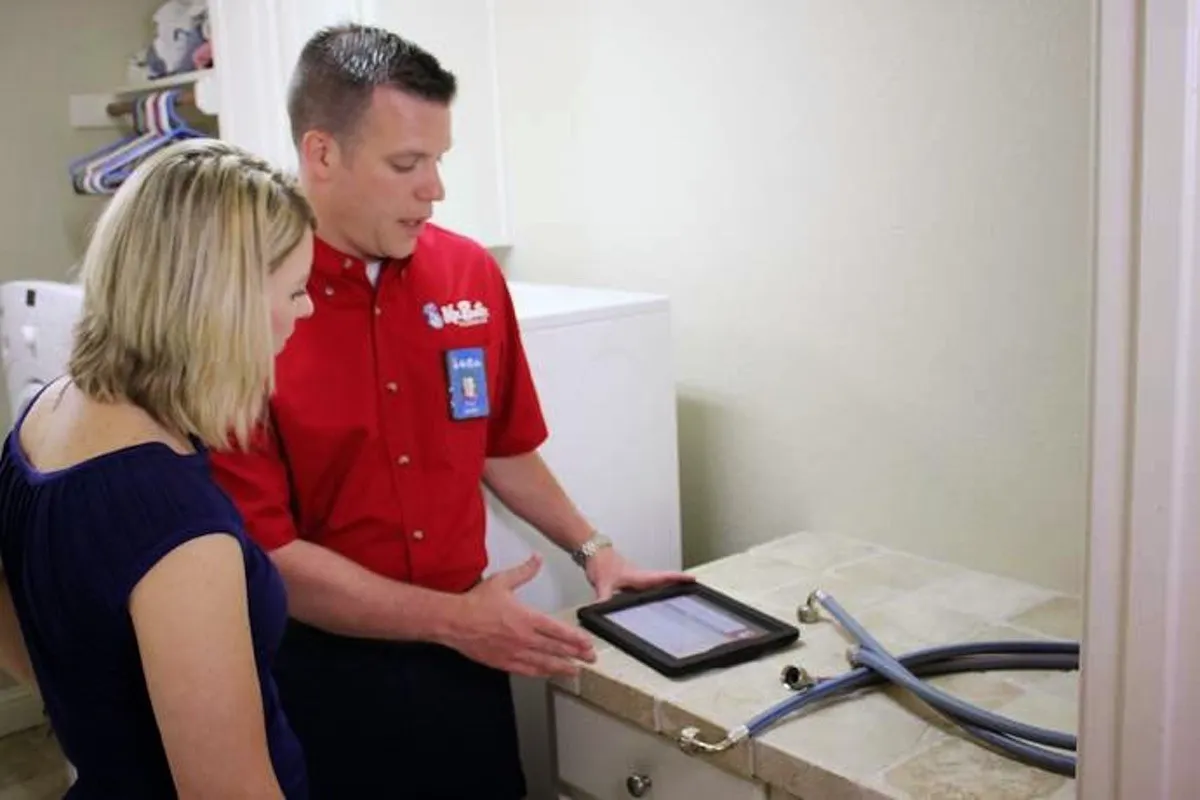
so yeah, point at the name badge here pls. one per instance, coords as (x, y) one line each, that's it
(467, 369)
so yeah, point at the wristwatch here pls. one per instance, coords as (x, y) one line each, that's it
(593, 545)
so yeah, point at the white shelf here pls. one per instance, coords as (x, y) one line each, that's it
(179, 79)
(90, 110)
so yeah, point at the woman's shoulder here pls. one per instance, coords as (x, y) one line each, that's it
(111, 521)
(62, 434)
(162, 499)
(103, 484)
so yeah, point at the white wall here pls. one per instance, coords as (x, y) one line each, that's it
(872, 220)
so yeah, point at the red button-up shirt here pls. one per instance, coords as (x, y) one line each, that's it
(362, 455)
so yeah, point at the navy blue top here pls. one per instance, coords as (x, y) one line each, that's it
(73, 544)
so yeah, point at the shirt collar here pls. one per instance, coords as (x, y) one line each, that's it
(332, 262)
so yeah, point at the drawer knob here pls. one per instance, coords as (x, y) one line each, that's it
(638, 785)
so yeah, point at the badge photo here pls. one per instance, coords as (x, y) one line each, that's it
(466, 368)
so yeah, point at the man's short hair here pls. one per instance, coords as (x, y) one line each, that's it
(339, 69)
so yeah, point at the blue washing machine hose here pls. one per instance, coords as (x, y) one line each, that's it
(875, 666)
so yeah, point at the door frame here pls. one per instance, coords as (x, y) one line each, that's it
(1140, 704)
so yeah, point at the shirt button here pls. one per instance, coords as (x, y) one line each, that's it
(392, 387)
(402, 460)
(418, 535)
(347, 264)
(378, 311)
(328, 291)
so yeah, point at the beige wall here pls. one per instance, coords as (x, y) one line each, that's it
(872, 220)
(43, 225)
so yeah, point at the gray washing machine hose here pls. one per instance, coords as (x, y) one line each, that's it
(875, 666)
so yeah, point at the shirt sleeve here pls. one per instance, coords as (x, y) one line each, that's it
(256, 480)
(517, 425)
(160, 504)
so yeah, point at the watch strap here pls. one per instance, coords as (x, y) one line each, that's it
(595, 543)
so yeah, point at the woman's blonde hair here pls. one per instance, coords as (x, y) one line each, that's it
(176, 317)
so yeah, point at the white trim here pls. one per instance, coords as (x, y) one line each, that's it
(504, 230)
(1170, 282)
(1140, 702)
(1115, 142)
(20, 709)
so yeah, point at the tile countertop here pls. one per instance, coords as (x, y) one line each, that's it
(881, 743)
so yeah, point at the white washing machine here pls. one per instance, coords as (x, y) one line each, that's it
(37, 319)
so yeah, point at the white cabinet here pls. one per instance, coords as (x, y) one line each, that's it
(601, 361)
(602, 364)
(255, 46)
(602, 757)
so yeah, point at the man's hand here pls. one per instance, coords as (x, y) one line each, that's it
(498, 630)
(609, 572)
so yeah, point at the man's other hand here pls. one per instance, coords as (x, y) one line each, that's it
(609, 572)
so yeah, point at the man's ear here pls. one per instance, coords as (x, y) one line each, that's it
(319, 154)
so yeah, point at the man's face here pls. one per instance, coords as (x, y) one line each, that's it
(383, 181)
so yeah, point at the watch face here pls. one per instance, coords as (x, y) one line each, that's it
(590, 548)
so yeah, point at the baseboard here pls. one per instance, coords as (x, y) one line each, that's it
(20, 709)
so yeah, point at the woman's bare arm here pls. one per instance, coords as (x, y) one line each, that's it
(191, 616)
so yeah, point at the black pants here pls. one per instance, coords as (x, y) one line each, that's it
(398, 720)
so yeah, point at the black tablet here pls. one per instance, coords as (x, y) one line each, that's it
(685, 628)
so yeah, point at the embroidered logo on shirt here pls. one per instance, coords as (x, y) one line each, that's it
(464, 314)
(433, 316)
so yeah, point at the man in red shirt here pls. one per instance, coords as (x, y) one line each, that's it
(405, 392)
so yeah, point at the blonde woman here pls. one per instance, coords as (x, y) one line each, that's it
(150, 619)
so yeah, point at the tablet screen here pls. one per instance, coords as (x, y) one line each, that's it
(684, 626)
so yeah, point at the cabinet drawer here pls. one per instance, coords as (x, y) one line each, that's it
(597, 754)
